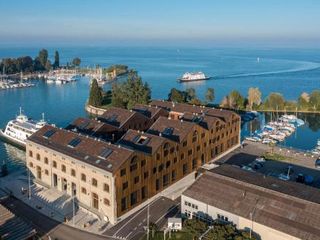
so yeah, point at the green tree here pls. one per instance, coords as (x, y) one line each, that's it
(76, 62)
(117, 96)
(314, 101)
(210, 95)
(190, 94)
(56, 63)
(274, 101)
(194, 227)
(48, 65)
(131, 92)
(236, 101)
(43, 57)
(176, 96)
(254, 97)
(95, 96)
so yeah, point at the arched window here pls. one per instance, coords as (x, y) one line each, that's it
(134, 163)
(166, 148)
(195, 136)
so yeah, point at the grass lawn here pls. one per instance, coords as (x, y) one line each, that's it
(174, 236)
(277, 157)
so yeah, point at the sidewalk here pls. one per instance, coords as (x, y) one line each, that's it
(51, 202)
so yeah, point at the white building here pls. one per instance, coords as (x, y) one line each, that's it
(175, 224)
(271, 208)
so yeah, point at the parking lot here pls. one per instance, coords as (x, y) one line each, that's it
(299, 162)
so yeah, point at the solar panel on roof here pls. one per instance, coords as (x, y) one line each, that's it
(168, 131)
(49, 133)
(113, 118)
(105, 153)
(84, 124)
(74, 142)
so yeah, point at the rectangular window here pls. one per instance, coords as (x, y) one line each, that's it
(63, 168)
(143, 192)
(83, 190)
(157, 184)
(30, 154)
(105, 187)
(189, 152)
(154, 170)
(168, 164)
(185, 143)
(106, 202)
(123, 204)
(194, 163)
(145, 175)
(46, 161)
(160, 168)
(124, 185)
(136, 179)
(83, 177)
(173, 175)
(165, 180)
(182, 156)
(175, 159)
(143, 162)
(133, 198)
(185, 169)
(46, 172)
(94, 182)
(123, 172)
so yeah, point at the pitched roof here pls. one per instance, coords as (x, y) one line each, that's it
(203, 120)
(82, 148)
(147, 110)
(91, 127)
(187, 108)
(176, 130)
(289, 207)
(144, 142)
(117, 116)
(13, 227)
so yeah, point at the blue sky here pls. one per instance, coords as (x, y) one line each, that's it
(264, 22)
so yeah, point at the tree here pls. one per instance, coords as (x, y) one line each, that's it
(48, 65)
(131, 92)
(236, 101)
(303, 101)
(190, 94)
(254, 97)
(56, 63)
(95, 96)
(274, 101)
(210, 95)
(43, 57)
(76, 62)
(117, 96)
(194, 227)
(314, 101)
(176, 96)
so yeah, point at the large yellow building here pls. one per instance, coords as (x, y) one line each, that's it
(111, 179)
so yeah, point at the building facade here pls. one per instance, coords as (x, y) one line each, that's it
(110, 179)
(271, 208)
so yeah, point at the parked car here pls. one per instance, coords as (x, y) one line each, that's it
(284, 177)
(260, 159)
(247, 168)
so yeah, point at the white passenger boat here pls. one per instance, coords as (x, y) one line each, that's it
(195, 76)
(18, 130)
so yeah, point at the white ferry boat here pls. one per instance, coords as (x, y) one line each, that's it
(19, 129)
(196, 76)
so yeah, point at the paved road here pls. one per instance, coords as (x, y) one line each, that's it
(133, 228)
(46, 226)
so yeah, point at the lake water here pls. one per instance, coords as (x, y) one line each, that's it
(289, 71)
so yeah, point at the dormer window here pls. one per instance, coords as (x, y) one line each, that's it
(143, 140)
(74, 142)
